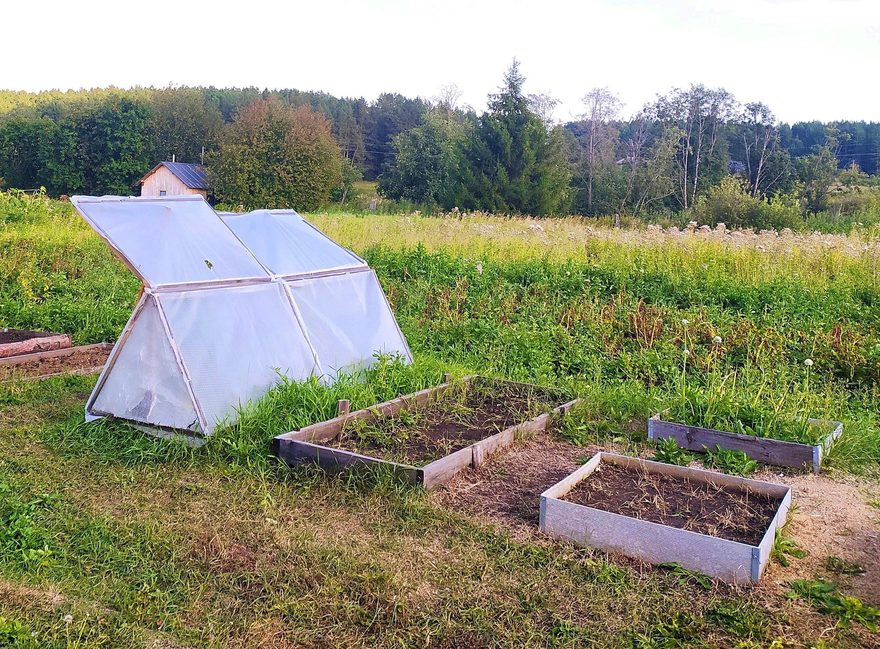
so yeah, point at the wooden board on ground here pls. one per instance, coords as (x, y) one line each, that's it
(761, 449)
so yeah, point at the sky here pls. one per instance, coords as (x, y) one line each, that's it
(806, 59)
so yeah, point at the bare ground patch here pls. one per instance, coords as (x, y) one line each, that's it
(26, 597)
(833, 519)
(507, 489)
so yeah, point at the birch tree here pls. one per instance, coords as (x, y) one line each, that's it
(601, 108)
(701, 114)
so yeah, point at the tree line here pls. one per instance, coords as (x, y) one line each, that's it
(690, 149)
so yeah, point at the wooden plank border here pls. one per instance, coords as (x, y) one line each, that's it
(762, 449)
(655, 543)
(307, 444)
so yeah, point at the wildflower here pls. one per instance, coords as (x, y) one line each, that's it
(67, 618)
(480, 267)
(685, 322)
(686, 351)
(717, 340)
(808, 362)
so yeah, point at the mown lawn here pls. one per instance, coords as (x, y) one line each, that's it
(112, 539)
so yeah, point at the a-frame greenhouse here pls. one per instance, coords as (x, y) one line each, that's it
(230, 303)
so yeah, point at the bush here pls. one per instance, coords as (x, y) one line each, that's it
(275, 156)
(728, 202)
(848, 208)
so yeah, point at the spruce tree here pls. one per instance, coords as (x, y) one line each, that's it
(519, 165)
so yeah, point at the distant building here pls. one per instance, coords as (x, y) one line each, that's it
(736, 167)
(175, 179)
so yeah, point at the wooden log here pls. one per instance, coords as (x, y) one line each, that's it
(54, 353)
(35, 345)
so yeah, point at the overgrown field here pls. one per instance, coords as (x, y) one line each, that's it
(141, 541)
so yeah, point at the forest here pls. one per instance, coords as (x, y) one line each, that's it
(697, 152)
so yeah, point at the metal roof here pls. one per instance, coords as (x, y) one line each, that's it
(191, 175)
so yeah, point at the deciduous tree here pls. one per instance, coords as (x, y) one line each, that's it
(275, 156)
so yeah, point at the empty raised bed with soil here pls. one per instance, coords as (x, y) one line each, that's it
(86, 359)
(719, 525)
(429, 436)
(14, 342)
(761, 449)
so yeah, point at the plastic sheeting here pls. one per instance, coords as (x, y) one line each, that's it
(348, 320)
(288, 245)
(170, 240)
(232, 304)
(235, 342)
(159, 394)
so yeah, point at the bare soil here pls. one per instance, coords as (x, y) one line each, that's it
(832, 517)
(458, 418)
(18, 335)
(508, 488)
(78, 360)
(726, 512)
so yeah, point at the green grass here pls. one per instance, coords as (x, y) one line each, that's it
(160, 542)
(143, 541)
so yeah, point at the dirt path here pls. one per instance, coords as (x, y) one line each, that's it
(506, 490)
(833, 518)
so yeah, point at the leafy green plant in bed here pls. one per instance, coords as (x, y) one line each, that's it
(729, 461)
(669, 452)
(740, 402)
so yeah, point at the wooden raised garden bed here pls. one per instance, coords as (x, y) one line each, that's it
(85, 359)
(14, 342)
(761, 449)
(427, 437)
(716, 524)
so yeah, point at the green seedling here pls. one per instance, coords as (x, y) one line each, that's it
(841, 566)
(784, 547)
(826, 599)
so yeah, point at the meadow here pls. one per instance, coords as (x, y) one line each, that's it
(112, 539)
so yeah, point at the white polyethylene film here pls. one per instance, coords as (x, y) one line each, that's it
(145, 383)
(234, 342)
(167, 241)
(286, 244)
(347, 319)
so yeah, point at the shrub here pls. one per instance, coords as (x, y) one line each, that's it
(728, 202)
(274, 156)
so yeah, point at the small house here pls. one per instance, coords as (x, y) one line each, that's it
(175, 179)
